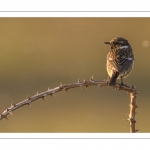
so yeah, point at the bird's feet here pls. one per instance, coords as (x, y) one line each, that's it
(121, 84)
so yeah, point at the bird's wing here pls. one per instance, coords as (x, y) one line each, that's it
(120, 60)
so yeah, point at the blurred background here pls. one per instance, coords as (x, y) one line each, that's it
(37, 53)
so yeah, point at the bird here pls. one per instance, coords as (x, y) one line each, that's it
(120, 60)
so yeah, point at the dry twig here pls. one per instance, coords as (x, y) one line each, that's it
(85, 83)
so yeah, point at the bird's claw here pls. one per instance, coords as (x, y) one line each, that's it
(121, 84)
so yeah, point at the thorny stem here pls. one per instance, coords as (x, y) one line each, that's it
(132, 114)
(85, 83)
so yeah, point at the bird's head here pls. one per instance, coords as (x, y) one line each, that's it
(118, 42)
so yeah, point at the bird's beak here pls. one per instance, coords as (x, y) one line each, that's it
(107, 42)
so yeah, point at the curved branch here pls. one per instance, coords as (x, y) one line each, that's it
(65, 87)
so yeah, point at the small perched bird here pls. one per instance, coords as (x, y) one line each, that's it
(120, 60)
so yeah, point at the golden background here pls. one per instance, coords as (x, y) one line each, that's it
(37, 53)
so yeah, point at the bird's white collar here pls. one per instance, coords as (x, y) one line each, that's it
(123, 46)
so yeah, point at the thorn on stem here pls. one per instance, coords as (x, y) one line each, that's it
(86, 87)
(132, 86)
(43, 98)
(60, 85)
(11, 113)
(128, 119)
(136, 106)
(7, 109)
(137, 130)
(84, 81)
(78, 80)
(29, 103)
(28, 97)
(12, 104)
(5, 117)
(91, 78)
(66, 90)
(99, 86)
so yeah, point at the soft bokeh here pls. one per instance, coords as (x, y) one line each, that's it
(37, 53)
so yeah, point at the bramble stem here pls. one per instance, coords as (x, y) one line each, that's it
(84, 83)
(132, 114)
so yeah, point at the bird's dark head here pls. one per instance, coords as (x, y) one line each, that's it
(117, 42)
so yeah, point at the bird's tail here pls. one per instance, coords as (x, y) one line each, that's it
(113, 79)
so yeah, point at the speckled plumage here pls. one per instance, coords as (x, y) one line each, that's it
(120, 60)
